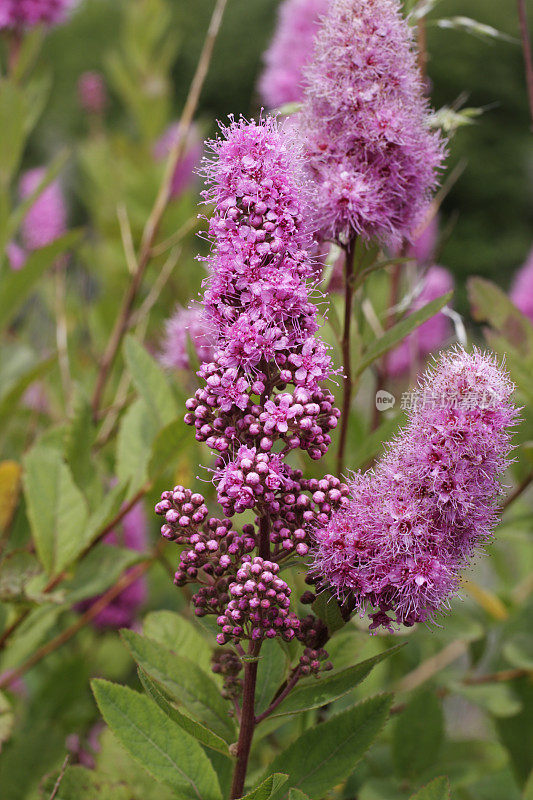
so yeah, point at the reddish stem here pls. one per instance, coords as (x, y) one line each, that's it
(247, 722)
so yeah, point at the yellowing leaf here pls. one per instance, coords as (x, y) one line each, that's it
(10, 473)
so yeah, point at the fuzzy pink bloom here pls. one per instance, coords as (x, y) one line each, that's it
(415, 521)
(92, 94)
(365, 124)
(27, 13)
(16, 256)
(290, 51)
(431, 334)
(522, 288)
(46, 220)
(122, 611)
(184, 173)
(183, 324)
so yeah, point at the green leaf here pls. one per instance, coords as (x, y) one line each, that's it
(179, 636)
(200, 732)
(439, 789)
(16, 286)
(150, 382)
(80, 783)
(56, 509)
(326, 607)
(99, 570)
(136, 434)
(472, 26)
(79, 441)
(184, 682)
(171, 756)
(327, 753)
(498, 699)
(321, 691)
(12, 119)
(418, 734)
(490, 304)
(519, 651)
(296, 794)
(168, 446)
(270, 673)
(398, 332)
(16, 571)
(267, 788)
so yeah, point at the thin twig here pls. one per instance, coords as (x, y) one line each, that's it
(291, 683)
(126, 580)
(60, 777)
(127, 238)
(62, 334)
(526, 47)
(158, 210)
(159, 283)
(432, 665)
(346, 350)
(520, 489)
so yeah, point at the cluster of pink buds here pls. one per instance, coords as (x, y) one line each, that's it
(259, 605)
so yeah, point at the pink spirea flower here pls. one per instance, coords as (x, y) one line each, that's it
(27, 13)
(92, 94)
(431, 334)
(46, 220)
(290, 51)
(261, 260)
(122, 611)
(365, 124)
(183, 324)
(184, 173)
(522, 288)
(416, 520)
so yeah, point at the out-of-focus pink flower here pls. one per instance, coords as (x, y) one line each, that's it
(522, 288)
(122, 611)
(92, 93)
(422, 248)
(290, 51)
(364, 123)
(16, 256)
(190, 159)
(186, 323)
(27, 13)
(46, 220)
(431, 334)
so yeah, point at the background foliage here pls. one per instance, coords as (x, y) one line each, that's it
(463, 697)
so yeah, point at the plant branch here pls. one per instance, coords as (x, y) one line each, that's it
(346, 350)
(526, 47)
(158, 210)
(520, 489)
(291, 683)
(247, 721)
